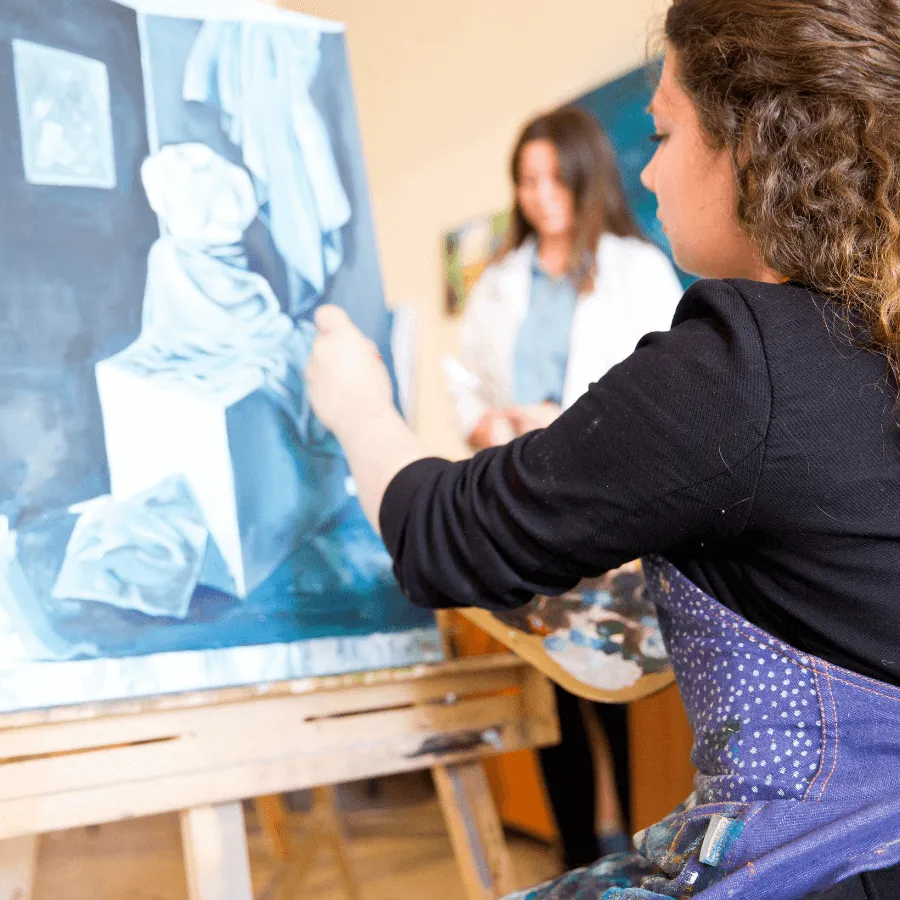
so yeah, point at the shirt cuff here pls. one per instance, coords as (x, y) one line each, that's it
(400, 496)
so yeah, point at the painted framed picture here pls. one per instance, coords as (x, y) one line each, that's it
(182, 186)
(64, 117)
(467, 251)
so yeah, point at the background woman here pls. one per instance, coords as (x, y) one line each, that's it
(573, 294)
(750, 455)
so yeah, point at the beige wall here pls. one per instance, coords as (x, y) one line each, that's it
(442, 88)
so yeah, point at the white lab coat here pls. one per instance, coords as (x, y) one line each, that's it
(635, 292)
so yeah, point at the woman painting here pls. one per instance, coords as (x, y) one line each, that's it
(750, 455)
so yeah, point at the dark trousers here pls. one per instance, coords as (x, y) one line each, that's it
(570, 776)
(881, 885)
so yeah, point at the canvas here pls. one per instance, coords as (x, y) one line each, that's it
(182, 187)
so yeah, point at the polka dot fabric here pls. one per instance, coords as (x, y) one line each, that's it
(753, 702)
(796, 757)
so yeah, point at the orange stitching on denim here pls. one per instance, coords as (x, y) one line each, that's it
(710, 809)
(726, 620)
(671, 852)
(824, 743)
(859, 687)
(836, 733)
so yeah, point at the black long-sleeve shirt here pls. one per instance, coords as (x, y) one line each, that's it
(756, 445)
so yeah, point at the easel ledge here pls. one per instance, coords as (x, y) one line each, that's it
(202, 753)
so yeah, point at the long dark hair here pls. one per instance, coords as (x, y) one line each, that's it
(587, 165)
(805, 95)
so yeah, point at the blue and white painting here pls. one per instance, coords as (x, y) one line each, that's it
(182, 186)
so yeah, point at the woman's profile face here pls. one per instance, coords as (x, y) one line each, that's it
(546, 201)
(696, 191)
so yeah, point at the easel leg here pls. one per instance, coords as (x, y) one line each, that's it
(275, 823)
(323, 825)
(475, 830)
(326, 801)
(215, 853)
(17, 860)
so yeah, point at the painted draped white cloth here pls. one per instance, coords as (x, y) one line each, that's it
(144, 553)
(259, 76)
(208, 321)
(216, 365)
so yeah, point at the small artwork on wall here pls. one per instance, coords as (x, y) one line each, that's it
(467, 251)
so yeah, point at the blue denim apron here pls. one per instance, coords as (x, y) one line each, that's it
(798, 768)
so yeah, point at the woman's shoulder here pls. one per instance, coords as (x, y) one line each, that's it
(779, 308)
(712, 318)
(801, 328)
(791, 325)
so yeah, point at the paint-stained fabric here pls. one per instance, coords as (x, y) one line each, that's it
(796, 786)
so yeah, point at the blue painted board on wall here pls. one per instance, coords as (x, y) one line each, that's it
(621, 107)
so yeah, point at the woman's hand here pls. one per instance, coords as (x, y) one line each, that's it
(350, 391)
(529, 418)
(493, 429)
(345, 375)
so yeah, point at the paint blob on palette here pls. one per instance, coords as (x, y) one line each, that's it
(183, 186)
(604, 633)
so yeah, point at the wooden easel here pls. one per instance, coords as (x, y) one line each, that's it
(324, 828)
(200, 754)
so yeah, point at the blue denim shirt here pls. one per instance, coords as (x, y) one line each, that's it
(542, 347)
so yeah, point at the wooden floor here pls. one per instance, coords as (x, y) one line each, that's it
(397, 837)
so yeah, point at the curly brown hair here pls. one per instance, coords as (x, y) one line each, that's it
(806, 96)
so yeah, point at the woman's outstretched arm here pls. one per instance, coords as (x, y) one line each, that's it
(661, 452)
(351, 393)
